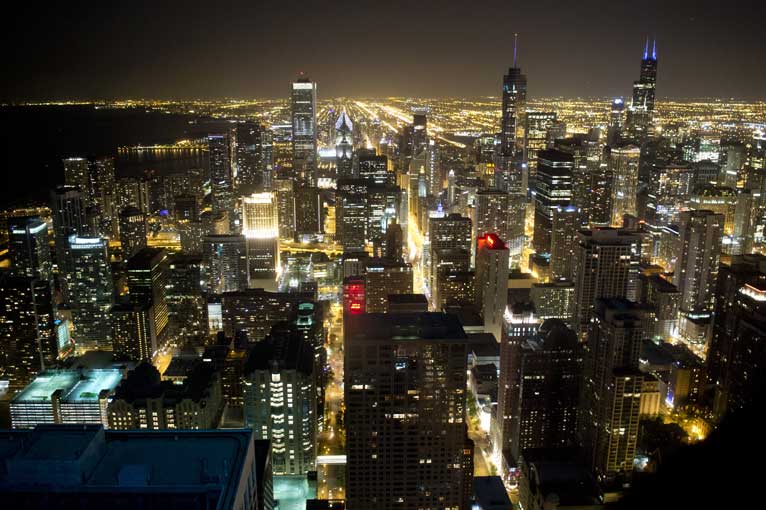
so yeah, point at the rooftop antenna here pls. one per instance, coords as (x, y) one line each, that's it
(515, 46)
(646, 48)
(654, 49)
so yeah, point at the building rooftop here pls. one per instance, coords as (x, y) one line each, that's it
(406, 326)
(490, 494)
(75, 385)
(90, 459)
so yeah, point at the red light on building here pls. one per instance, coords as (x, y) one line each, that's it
(353, 295)
(492, 241)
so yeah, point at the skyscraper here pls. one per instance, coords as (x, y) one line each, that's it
(102, 195)
(616, 120)
(514, 103)
(28, 247)
(566, 222)
(344, 145)
(699, 251)
(611, 397)
(491, 281)
(68, 210)
(260, 226)
(147, 282)
(225, 263)
(220, 173)
(491, 213)
(553, 188)
(91, 291)
(545, 405)
(606, 266)
(132, 231)
(623, 166)
(641, 109)
(279, 399)
(77, 173)
(404, 384)
(27, 337)
(384, 277)
(304, 120)
(251, 157)
(351, 214)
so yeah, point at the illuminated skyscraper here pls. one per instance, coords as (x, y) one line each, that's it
(491, 281)
(536, 127)
(641, 109)
(699, 252)
(384, 277)
(304, 120)
(28, 247)
(374, 168)
(220, 173)
(406, 451)
(279, 399)
(77, 173)
(225, 263)
(553, 187)
(606, 266)
(492, 214)
(91, 291)
(27, 336)
(351, 212)
(608, 422)
(252, 157)
(102, 195)
(623, 167)
(567, 220)
(68, 211)
(260, 226)
(514, 104)
(616, 121)
(344, 145)
(132, 231)
(147, 283)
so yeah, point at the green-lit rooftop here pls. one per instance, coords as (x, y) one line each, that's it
(75, 385)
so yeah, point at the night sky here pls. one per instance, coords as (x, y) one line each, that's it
(213, 49)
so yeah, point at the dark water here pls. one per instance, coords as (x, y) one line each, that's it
(35, 139)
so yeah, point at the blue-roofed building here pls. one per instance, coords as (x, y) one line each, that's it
(65, 397)
(96, 468)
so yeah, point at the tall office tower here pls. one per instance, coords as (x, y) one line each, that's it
(344, 146)
(102, 189)
(285, 190)
(394, 242)
(225, 263)
(77, 173)
(385, 277)
(623, 167)
(374, 168)
(554, 300)
(134, 337)
(279, 400)
(611, 398)
(606, 266)
(383, 204)
(143, 401)
(641, 109)
(148, 274)
(27, 337)
(536, 126)
(434, 175)
(419, 133)
(520, 323)
(664, 299)
(616, 121)
(492, 213)
(416, 365)
(250, 158)
(546, 401)
(720, 200)
(260, 226)
(567, 221)
(735, 362)
(553, 188)
(454, 287)
(91, 291)
(309, 217)
(491, 281)
(68, 211)
(699, 251)
(514, 105)
(184, 296)
(351, 214)
(304, 119)
(732, 159)
(132, 192)
(219, 172)
(28, 247)
(451, 232)
(132, 231)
